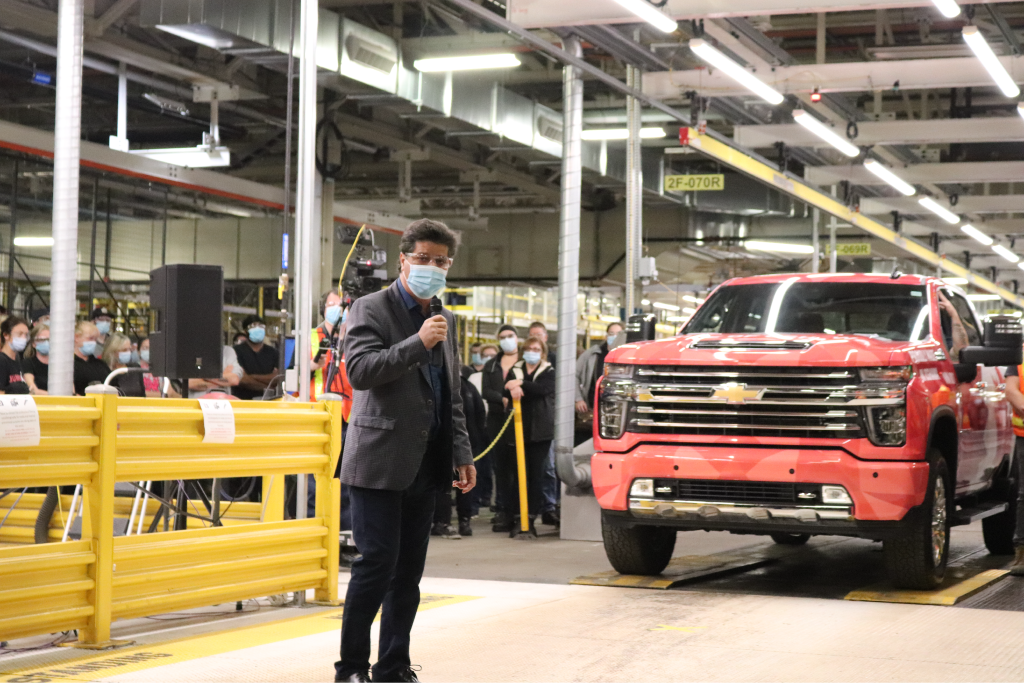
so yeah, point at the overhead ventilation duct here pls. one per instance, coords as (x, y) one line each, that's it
(358, 54)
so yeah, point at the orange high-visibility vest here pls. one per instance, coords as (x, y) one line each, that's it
(340, 383)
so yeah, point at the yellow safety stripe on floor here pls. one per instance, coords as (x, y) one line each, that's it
(679, 570)
(92, 667)
(945, 597)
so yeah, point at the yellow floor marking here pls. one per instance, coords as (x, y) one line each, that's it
(91, 667)
(946, 597)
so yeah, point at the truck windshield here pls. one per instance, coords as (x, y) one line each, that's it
(891, 311)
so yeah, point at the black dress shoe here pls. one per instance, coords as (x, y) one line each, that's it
(551, 517)
(465, 527)
(404, 676)
(357, 677)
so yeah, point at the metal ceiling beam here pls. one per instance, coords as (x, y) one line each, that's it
(930, 132)
(954, 172)
(976, 204)
(911, 74)
(533, 14)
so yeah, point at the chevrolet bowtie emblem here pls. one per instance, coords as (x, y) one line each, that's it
(737, 393)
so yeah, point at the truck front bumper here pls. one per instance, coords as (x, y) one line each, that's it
(884, 493)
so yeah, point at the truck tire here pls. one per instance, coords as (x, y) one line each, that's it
(917, 559)
(998, 530)
(791, 539)
(644, 550)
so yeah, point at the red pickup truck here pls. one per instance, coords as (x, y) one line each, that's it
(797, 405)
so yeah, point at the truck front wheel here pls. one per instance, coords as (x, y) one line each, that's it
(917, 559)
(644, 550)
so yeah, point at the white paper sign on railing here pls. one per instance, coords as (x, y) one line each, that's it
(218, 420)
(19, 421)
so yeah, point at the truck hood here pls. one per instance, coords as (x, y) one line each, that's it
(826, 350)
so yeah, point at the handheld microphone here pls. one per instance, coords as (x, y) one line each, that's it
(435, 307)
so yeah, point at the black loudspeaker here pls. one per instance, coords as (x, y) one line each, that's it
(187, 303)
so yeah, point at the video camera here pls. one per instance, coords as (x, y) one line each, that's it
(366, 272)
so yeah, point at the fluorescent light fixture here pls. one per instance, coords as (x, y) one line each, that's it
(1006, 253)
(984, 297)
(200, 156)
(505, 60)
(645, 302)
(692, 299)
(650, 14)
(955, 281)
(33, 241)
(665, 307)
(782, 248)
(948, 8)
(890, 178)
(677, 318)
(825, 133)
(717, 59)
(978, 235)
(981, 49)
(689, 311)
(939, 210)
(622, 133)
(167, 104)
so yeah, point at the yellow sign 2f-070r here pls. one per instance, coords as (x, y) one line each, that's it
(695, 183)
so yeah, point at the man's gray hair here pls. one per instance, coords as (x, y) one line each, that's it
(427, 230)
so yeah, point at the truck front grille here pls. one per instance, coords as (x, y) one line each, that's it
(766, 401)
(753, 492)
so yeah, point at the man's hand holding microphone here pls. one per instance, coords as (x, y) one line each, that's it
(434, 331)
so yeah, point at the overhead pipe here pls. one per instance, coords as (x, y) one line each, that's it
(574, 476)
(66, 156)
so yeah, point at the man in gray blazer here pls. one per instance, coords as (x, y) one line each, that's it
(406, 434)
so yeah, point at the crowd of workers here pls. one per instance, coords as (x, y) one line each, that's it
(514, 368)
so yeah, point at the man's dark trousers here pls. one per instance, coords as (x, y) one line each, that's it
(391, 529)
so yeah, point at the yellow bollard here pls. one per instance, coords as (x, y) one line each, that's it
(524, 503)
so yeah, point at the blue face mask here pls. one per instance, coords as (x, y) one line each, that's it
(19, 343)
(43, 347)
(477, 359)
(103, 326)
(426, 281)
(332, 314)
(257, 335)
(509, 344)
(87, 348)
(124, 357)
(531, 357)
(144, 355)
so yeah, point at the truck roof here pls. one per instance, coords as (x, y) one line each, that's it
(832, 277)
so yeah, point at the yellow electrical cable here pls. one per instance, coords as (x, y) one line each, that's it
(349, 257)
(497, 438)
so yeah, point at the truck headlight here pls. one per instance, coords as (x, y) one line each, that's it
(896, 373)
(835, 495)
(613, 406)
(887, 425)
(642, 488)
(618, 371)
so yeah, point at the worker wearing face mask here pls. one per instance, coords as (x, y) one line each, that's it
(495, 375)
(258, 360)
(102, 319)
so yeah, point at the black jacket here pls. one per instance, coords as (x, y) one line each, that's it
(538, 401)
(493, 389)
(476, 420)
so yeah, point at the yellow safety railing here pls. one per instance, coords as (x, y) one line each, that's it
(101, 440)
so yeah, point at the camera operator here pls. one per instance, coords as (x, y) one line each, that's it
(407, 434)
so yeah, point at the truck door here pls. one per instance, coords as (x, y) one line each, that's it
(980, 404)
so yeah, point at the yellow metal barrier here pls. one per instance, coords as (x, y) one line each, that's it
(100, 440)
(524, 503)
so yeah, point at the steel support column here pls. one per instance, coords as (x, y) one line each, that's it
(67, 145)
(634, 193)
(569, 272)
(11, 236)
(306, 214)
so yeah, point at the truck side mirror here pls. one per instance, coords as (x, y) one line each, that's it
(1002, 346)
(641, 327)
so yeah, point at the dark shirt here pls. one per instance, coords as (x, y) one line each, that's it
(1011, 371)
(551, 357)
(39, 370)
(262, 362)
(598, 372)
(92, 371)
(10, 371)
(436, 363)
(476, 424)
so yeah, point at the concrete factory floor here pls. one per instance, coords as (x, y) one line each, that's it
(495, 609)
